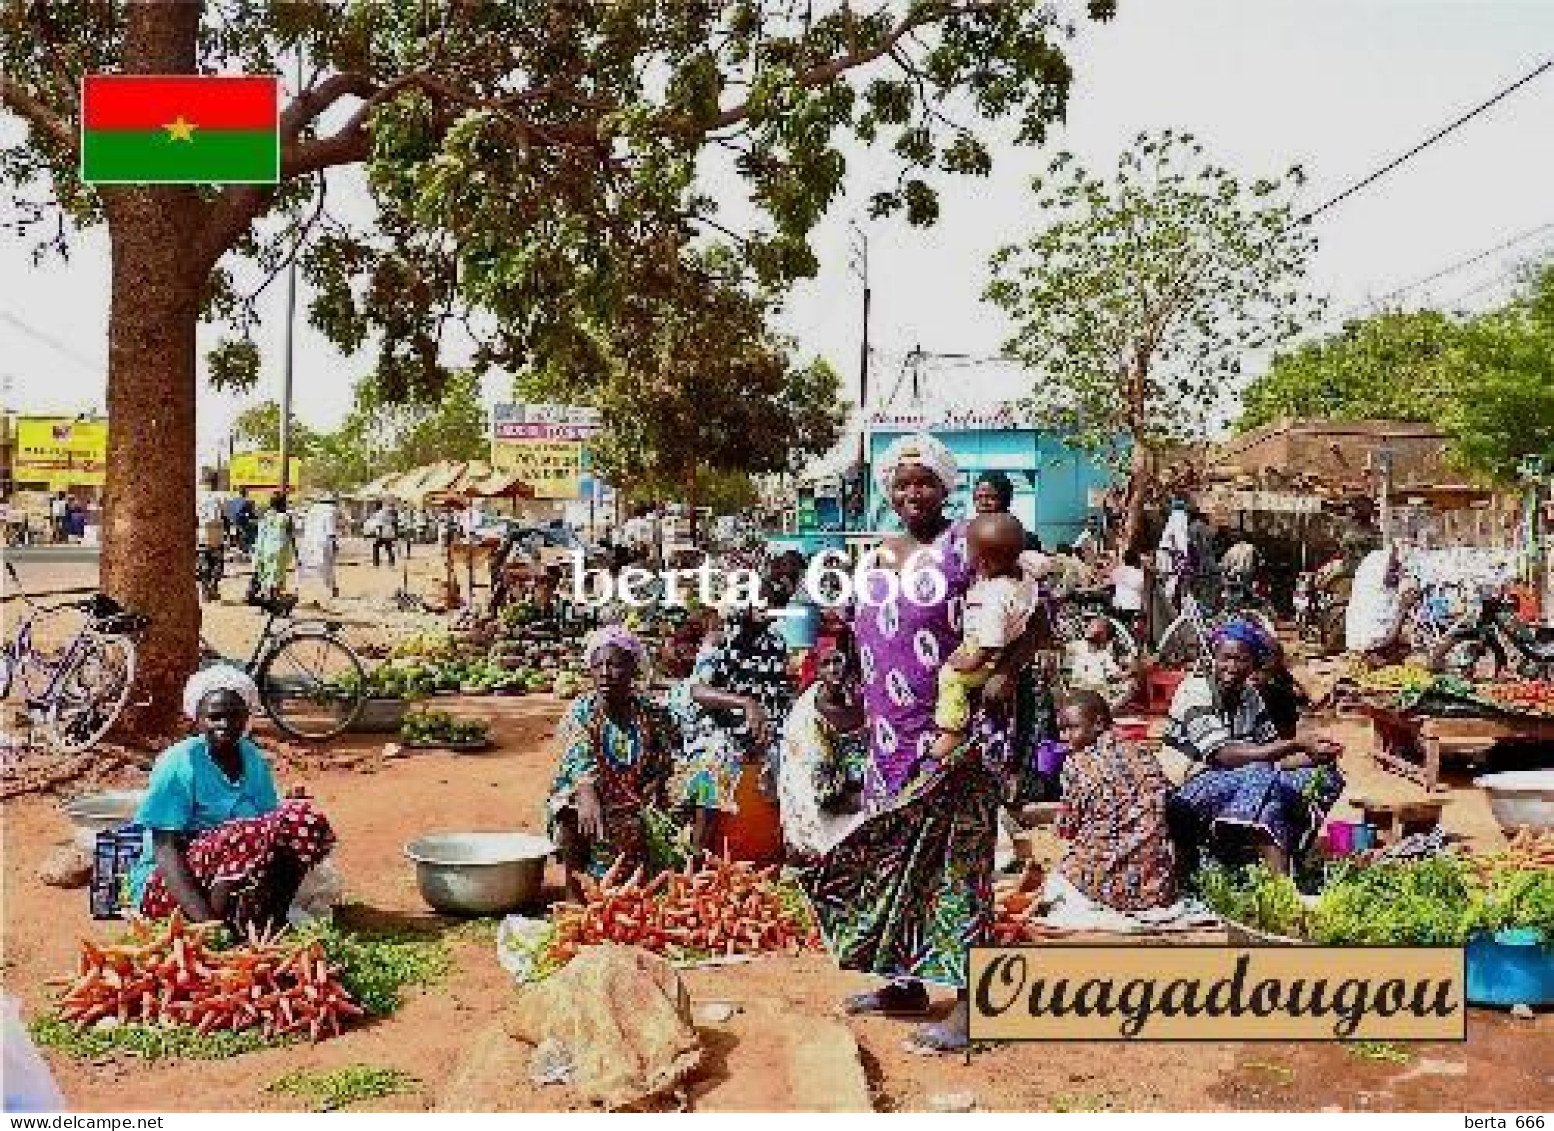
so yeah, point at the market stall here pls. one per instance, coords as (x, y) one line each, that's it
(1419, 718)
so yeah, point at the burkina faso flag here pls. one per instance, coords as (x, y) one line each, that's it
(180, 129)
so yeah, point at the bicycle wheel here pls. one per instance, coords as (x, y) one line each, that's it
(311, 685)
(89, 694)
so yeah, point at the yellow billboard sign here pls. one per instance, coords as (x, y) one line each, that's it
(261, 471)
(554, 468)
(61, 452)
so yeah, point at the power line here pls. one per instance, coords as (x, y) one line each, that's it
(1546, 65)
(1440, 273)
(53, 343)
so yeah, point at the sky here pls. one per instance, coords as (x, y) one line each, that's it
(1337, 86)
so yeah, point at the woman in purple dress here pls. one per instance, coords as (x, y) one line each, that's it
(909, 891)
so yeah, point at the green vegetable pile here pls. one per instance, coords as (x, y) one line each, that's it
(150, 1042)
(1255, 898)
(376, 967)
(331, 1091)
(441, 727)
(1438, 901)
(1435, 902)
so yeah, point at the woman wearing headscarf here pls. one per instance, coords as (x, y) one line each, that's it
(731, 711)
(909, 891)
(220, 844)
(1244, 777)
(617, 751)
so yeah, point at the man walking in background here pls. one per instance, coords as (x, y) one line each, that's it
(380, 528)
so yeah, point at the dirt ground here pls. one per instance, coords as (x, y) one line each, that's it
(754, 1060)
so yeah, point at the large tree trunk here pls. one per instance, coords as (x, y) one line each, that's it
(1140, 478)
(148, 552)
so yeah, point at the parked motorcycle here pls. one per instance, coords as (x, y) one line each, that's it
(1490, 637)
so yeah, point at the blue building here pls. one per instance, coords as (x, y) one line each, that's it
(1054, 484)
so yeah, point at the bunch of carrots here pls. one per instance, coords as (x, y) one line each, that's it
(171, 974)
(1013, 921)
(1529, 850)
(717, 906)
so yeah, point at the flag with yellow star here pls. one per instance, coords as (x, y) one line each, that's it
(180, 129)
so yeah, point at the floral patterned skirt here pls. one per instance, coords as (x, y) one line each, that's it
(910, 890)
(252, 854)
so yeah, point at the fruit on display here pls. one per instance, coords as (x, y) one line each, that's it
(1522, 697)
(432, 728)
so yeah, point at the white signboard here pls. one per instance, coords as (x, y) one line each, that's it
(1274, 502)
(544, 422)
(988, 418)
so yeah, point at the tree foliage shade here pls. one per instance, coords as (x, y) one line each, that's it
(1487, 379)
(537, 161)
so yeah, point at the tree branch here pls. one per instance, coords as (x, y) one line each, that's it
(919, 16)
(33, 108)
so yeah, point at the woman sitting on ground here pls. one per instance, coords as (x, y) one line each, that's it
(220, 843)
(617, 751)
(731, 711)
(1245, 779)
(825, 757)
(1113, 815)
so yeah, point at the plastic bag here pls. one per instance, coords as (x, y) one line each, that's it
(29, 1086)
(318, 893)
(521, 946)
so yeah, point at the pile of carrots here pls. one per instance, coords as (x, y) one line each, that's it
(171, 974)
(717, 907)
(1529, 850)
(1014, 920)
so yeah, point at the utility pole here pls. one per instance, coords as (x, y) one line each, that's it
(286, 370)
(859, 264)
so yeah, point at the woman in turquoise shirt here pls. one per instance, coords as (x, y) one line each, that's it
(220, 843)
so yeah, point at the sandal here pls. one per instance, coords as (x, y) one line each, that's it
(889, 1001)
(936, 1040)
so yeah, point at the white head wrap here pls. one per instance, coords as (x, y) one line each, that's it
(919, 448)
(219, 677)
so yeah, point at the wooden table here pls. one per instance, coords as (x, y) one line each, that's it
(1412, 745)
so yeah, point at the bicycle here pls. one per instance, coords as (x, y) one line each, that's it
(1189, 638)
(86, 684)
(1072, 616)
(311, 683)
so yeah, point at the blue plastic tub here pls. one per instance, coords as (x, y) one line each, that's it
(1510, 968)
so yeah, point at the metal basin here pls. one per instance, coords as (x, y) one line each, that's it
(94, 813)
(479, 873)
(1520, 798)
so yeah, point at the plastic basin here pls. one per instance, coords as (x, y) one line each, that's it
(1510, 968)
(1520, 798)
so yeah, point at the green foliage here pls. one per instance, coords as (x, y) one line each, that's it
(439, 726)
(1378, 1051)
(259, 428)
(375, 968)
(1487, 380)
(1137, 299)
(1254, 897)
(532, 160)
(342, 1087)
(1390, 367)
(150, 1042)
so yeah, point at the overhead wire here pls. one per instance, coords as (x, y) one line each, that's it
(1444, 131)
